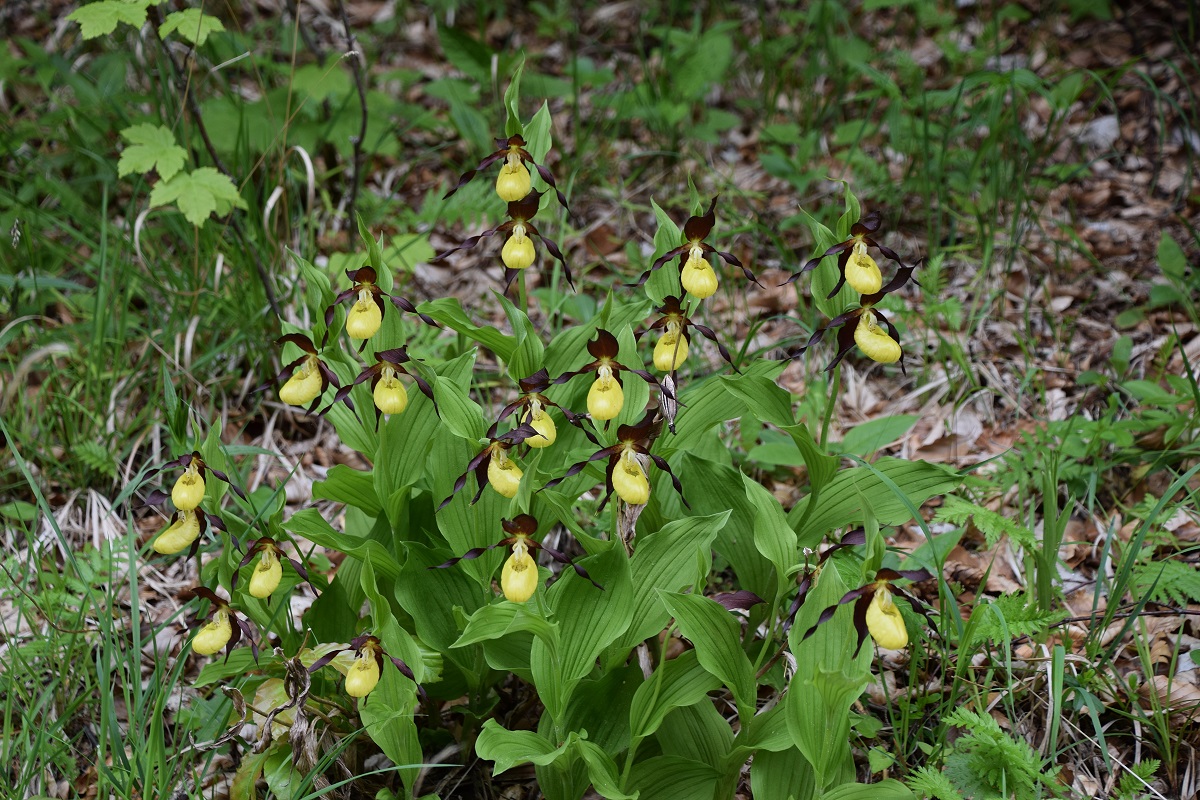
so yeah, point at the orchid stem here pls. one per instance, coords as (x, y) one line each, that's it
(834, 385)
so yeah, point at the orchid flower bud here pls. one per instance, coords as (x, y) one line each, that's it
(862, 273)
(514, 182)
(503, 473)
(189, 489)
(267, 574)
(606, 397)
(214, 634)
(885, 622)
(304, 385)
(629, 480)
(699, 279)
(364, 318)
(519, 579)
(181, 533)
(874, 341)
(363, 676)
(390, 395)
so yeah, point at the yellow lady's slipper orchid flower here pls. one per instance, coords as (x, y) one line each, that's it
(629, 480)
(365, 317)
(180, 534)
(363, 676)
(519, 578)
(513, 182)
(267, 574)
(214, 635)
(625, 474)
(189, 488)
(885, 622)
(389, 394)
(862, 273)
(698, 278)
(503, 474)
(671, 350)
(518, 252)
(543, 423)
(305, 385)
(606, 398)
(874, 341)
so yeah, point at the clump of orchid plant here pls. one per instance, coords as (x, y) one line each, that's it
(514, 181)
(626, 472)
(518, 252)
(606, 398)
(855, 265)
(697, 275)
(366, 315)
(364, 673)
(519, 578)
(222, 627)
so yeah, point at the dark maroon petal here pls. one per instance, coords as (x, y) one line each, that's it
(537, 382)
(842, 261)
(300, 340)
(742, 600)
(524, 209)
(860, 619)
(604, 345)
(665, 467)
(157, 498)
(696, 228)
(549, 179)
(658, 262)
(522, 523)
(469, 243)
(580, 571)
(709, 334)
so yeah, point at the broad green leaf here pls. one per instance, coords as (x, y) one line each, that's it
(312, 526)
(151, 147)
(763, 397)
(466, 53)
(841, 501)
(851, 215)
(198, 194)
(449, 312)
(697, 732)
(716, 635)
(406, 250)
(818, 718)
(679, 682)
(600, 707)
(354, 487)
(509, 748)
(98, 19)
(283, 779)
(589, 620)
(773, 537)
(431, 595)
(538, 142)
(785, 775)
(678, 556)
(869, 437)
(665, 281)
(512, 101)
(888, 789)
(501, 619)
(459, 412)
(602, 771)
(673, 778)
(1171, 259)
(192, 24)
(766, 732)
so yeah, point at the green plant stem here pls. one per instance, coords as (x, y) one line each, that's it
(834, 385)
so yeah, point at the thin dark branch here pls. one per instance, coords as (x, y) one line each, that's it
(356, 64)
(305, 36)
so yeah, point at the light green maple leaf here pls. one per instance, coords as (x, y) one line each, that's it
(198, 194)
(151, 147)
(192, 24)
(98, 19)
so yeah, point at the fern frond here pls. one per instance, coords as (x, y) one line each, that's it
(95, 456)
(992, 525)
(1168, 582)
(1021, 617)
(1133, 784)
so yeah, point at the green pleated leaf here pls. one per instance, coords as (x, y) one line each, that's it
(664, 281)
(501, 619)
(679, 682)
(716, 635)
(884, 790)
(763, 397)
(673, 778)
(773, 537)
(431, 595)
(354, 487)
(698, 732)
(602, 771)
(846, 498)
(449, 312)
(509, 748)
(312, 526)
(678, 556)
(785, 775)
